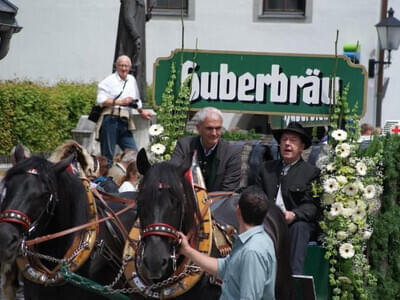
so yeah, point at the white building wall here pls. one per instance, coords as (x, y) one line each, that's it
(75, 40)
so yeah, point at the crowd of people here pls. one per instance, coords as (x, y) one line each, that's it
(282, 185)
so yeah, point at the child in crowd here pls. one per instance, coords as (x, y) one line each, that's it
(130, 180)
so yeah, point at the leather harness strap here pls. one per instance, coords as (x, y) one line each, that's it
(77, 228)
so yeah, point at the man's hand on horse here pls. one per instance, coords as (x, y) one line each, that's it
(183, 243)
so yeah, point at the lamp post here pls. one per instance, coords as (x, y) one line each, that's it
(8, 25)
(389, 39)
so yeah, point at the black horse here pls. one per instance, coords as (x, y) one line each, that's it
(40, 198)
(167, 198)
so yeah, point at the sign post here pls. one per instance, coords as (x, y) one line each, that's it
(263, 83)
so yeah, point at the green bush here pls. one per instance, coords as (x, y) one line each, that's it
(39, 116)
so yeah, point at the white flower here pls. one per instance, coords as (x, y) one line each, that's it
(331, 185)
(343, 150)
(339, 135)
(359, 184)
(351, 189)
(347, 212)
(361, 168)
(330, 167)
(351, 204)
(361, 205)
(341, 235)
(341, 179)
(158, 148)
(359, 212)
(336, 209)
(352, 227)
(327, 199)
(369, 191)
(156, 129)
(346, 250)
(367, 234)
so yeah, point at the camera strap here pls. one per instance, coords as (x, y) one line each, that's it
(115, 98)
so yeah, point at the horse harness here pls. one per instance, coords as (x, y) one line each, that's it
(78, 253)
(186, 275)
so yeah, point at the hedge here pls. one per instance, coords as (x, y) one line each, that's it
(39, 116)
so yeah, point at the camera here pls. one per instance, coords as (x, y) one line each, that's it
(133, 104)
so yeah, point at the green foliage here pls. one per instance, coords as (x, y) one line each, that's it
(240, 135)
(39, 116)
(172, 116)
(351, 188)
(385, 242)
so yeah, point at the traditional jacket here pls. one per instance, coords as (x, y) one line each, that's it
(295, 187)
(226, 172)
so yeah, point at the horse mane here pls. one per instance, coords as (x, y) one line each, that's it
(167, 172)
(85, 164)
(40, 164)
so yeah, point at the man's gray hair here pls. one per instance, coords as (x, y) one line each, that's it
(208, 111)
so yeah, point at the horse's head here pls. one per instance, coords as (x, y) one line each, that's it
(165, 205)
(28, 196)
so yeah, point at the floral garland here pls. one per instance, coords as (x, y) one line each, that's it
(351, 185)
(171, 119)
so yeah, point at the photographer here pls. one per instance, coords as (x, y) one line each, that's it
(118, 94)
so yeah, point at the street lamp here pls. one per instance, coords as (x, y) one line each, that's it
(389, 39)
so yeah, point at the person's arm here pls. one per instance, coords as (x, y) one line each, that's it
(207, 263)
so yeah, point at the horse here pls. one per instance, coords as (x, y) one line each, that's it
(166, 204)
(40, 198)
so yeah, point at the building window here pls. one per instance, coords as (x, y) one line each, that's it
(168, 7)
(295, 8)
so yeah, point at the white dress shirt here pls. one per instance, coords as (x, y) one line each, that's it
(112, 85)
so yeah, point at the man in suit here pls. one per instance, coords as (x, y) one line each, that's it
(220, 161)
(287, 182)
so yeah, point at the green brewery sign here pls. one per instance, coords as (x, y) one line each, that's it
(263, 83)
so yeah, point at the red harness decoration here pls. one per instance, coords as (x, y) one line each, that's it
(161, 229)
(15, 216)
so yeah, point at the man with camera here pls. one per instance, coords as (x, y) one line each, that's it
(118, 94)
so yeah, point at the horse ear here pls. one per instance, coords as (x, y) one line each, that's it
(19, 153)
(142, 162)
(63, 164)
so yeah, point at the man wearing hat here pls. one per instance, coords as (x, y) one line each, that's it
(287, 182)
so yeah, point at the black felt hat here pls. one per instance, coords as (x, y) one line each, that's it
(294, 127)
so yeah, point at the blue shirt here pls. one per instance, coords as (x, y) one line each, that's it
(249, 271)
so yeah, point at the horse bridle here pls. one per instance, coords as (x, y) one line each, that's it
(18, 217)
(163, 230)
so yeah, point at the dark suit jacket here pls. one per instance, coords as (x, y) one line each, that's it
(295, 187)
(228, 158)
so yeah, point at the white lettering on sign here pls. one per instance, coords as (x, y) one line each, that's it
(225, 85)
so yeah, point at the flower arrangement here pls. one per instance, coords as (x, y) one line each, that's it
(171, 119)
(351, 185)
